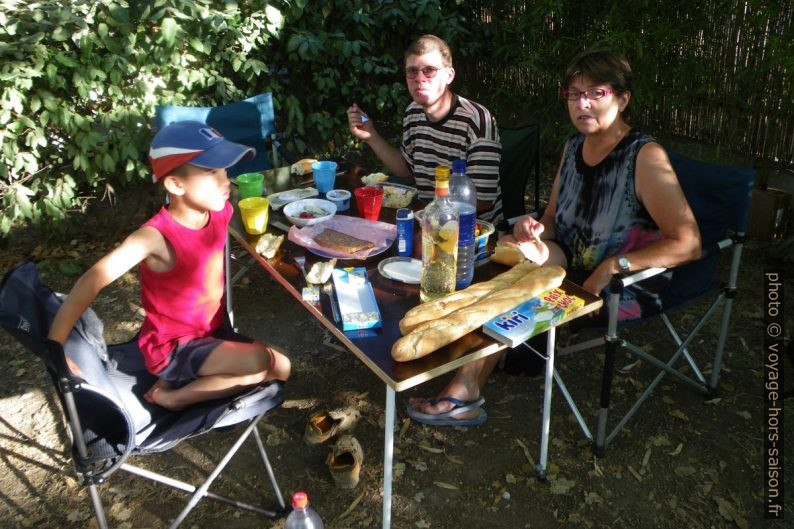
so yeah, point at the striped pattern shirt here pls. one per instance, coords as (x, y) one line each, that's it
(468, 132)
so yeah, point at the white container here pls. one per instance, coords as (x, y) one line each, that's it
(309, 206)
(340, 197)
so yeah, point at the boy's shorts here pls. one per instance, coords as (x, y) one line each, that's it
(186, 359)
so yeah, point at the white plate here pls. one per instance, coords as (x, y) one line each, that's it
(402, 269)
(285, 197)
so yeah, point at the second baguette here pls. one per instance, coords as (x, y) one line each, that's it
(437, 308)
(434, 334)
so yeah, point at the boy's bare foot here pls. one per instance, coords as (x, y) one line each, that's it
(159, 394)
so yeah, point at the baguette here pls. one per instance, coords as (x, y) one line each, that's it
(434, 334)
(437, 308)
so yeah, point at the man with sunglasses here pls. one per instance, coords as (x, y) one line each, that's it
(439, 126)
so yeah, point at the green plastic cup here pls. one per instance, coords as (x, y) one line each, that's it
(250, 184)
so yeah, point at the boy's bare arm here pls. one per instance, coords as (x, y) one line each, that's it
(143, 243)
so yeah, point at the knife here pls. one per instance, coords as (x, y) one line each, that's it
(329, 289)
(280, 225)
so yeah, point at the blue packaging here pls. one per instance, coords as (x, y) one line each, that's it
(405, 232)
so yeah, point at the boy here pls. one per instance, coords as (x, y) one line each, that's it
(180, 250)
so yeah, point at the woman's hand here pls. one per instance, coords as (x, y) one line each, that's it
(535, 250)
(528, 229)
(359, 123)
(601, 276)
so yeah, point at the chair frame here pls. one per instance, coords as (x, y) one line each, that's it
(69, 386)
(614, 342)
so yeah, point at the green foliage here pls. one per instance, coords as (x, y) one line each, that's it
(79, 81)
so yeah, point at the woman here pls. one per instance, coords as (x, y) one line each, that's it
(615, 206)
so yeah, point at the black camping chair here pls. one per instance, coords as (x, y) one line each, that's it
(520, 158)
(720, 198)
(101, 388)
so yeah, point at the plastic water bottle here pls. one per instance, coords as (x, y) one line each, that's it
(302, 516)
(463, 195)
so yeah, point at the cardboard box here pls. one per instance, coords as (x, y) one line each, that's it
(357, 305)
(769, 214)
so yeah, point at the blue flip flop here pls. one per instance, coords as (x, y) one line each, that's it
(448, 417)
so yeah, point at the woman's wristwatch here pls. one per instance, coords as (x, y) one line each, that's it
(624, 264)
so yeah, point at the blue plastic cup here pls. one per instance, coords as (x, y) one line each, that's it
(324, 175)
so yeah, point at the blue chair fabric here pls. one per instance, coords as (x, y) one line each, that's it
(250, 122)
(719, 196)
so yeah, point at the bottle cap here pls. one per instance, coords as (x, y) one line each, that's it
(405, 214)
(442, 177)
(300, 500)
(459, 166)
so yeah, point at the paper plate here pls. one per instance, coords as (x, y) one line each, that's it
(402, 269)
(285, 197)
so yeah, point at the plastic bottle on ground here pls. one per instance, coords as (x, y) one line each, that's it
(302, 516)
(463, 195)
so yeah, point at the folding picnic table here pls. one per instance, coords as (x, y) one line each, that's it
(394, 299)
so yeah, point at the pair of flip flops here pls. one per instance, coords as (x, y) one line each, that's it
(448, 418)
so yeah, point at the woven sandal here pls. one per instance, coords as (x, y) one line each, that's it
(325, 424)
(345, 461)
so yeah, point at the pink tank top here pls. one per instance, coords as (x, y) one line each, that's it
(184, 303)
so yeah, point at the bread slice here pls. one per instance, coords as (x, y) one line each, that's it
(342, 242)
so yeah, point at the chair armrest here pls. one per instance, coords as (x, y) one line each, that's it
(624, 281)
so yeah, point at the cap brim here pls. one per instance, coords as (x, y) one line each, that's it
(223, 155)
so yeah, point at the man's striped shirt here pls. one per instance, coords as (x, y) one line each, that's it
(468, 132)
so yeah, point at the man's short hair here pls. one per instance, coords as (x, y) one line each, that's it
(428, 43)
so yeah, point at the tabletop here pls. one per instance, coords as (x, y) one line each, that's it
(394, 299)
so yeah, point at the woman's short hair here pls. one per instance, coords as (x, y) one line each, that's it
(600, 66)
(428, 43)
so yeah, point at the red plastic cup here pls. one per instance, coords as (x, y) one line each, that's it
(369, 200)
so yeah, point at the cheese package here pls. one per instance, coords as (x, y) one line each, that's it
(357, 306)
(532, 317)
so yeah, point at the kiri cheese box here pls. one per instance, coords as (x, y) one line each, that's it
(357, 305)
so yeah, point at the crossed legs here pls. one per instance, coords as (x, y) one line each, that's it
(230, 368)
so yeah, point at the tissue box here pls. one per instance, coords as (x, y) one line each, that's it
(357, 305)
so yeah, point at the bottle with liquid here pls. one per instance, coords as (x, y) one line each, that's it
(302, 516)
(463, 195)
(439, 242)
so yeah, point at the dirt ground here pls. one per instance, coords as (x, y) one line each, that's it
(682, 462)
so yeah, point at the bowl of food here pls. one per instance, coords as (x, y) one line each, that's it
(396, 195)
(482, 230)
(309, 211)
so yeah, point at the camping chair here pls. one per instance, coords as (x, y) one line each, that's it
(720, 197)
(249, 122)
(520, 157)
(101, 389)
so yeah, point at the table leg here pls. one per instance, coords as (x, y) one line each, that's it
(388, 454)
(540, 468)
